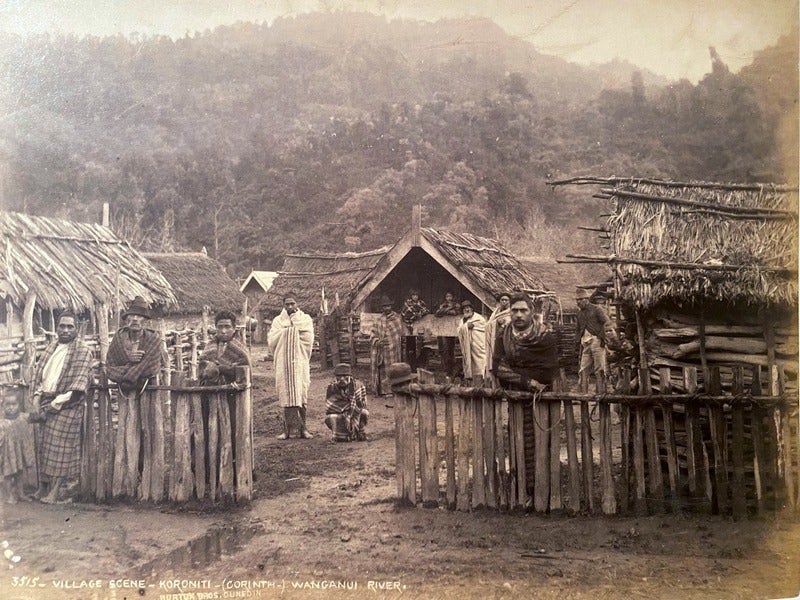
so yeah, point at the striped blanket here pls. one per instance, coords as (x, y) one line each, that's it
(346, 410)
(385, 348)
(290, 339)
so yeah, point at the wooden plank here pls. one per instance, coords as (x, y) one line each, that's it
(609, 501)
(640, 494)
(244, 437)
(158, 471)
(791, 450)
(556, 502)
(500, 454)
(587, 456)
(450, 452)
(625, 441)
(541, 439)
(519, 459)
(463, 500)
(696, 469)
(487, 406)
(478, 477)
(655, 478)
(199, 444)
(756, 415)
(738, 487)
(145, 409)
(513, 494)
(673, 474)
(133, 441)
(213, 443)
(719, 442)
(226, 489)
(105, 443)
(428, 445)
(120, 465)
(184, 482)
(574, 500)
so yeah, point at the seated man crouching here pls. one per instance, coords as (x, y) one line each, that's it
(346, 411)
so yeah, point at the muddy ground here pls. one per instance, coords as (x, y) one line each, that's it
(324, 525)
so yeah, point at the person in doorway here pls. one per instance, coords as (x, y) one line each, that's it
(385, 345)
(346, 413)
(447, 344)
(472, 339)
(290, 339)
(500, 317)
(526, 359)
(60, 383)
(591, 336)
(413, 310)
(135, 355)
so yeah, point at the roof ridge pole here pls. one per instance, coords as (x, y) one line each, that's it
(416, 223)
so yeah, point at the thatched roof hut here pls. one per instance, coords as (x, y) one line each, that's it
(198, 281)
(690, 243)
(709, 270)
(307, 276)
(67, 264)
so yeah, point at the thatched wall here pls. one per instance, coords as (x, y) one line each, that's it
(197, 280)
(73, 265)
(729, 245)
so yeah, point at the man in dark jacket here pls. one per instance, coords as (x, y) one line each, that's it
(135, 354)
(591, 336)
(525, 358)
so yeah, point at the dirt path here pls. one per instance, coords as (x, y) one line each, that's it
(324, 525)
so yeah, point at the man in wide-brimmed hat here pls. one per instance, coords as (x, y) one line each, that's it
(385, 344)
(590, 335)
(135, 354)
(346, 413)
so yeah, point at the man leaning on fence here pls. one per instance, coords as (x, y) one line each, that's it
(224, 353)
(525, 358)
(60, 384)
(135, 354)
(346, 413)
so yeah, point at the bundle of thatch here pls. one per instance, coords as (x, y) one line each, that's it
(701, 243)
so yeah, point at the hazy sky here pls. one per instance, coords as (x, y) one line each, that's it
(669, 37)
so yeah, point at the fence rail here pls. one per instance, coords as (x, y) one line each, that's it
(176, 442)
(724, 449)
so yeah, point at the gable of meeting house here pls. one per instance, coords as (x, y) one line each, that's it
(201, 285)
(709, 271)
(256, 284)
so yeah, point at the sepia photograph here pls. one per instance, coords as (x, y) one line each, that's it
(426, 299)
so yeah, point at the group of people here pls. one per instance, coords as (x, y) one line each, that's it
(291, 339)
(513, 348)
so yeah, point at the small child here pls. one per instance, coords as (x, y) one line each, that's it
(17, 453)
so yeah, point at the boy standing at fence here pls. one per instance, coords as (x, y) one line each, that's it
(60, 384)
(224, 353)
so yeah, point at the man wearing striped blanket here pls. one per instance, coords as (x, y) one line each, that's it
(290, 339)
(346, 411)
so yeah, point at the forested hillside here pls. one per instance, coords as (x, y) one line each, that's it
(320, 132)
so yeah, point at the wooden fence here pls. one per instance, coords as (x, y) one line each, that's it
(177, 442)
(729, 449)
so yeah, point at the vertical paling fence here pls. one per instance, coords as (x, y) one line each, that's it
(723, 441)
(177, 442)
